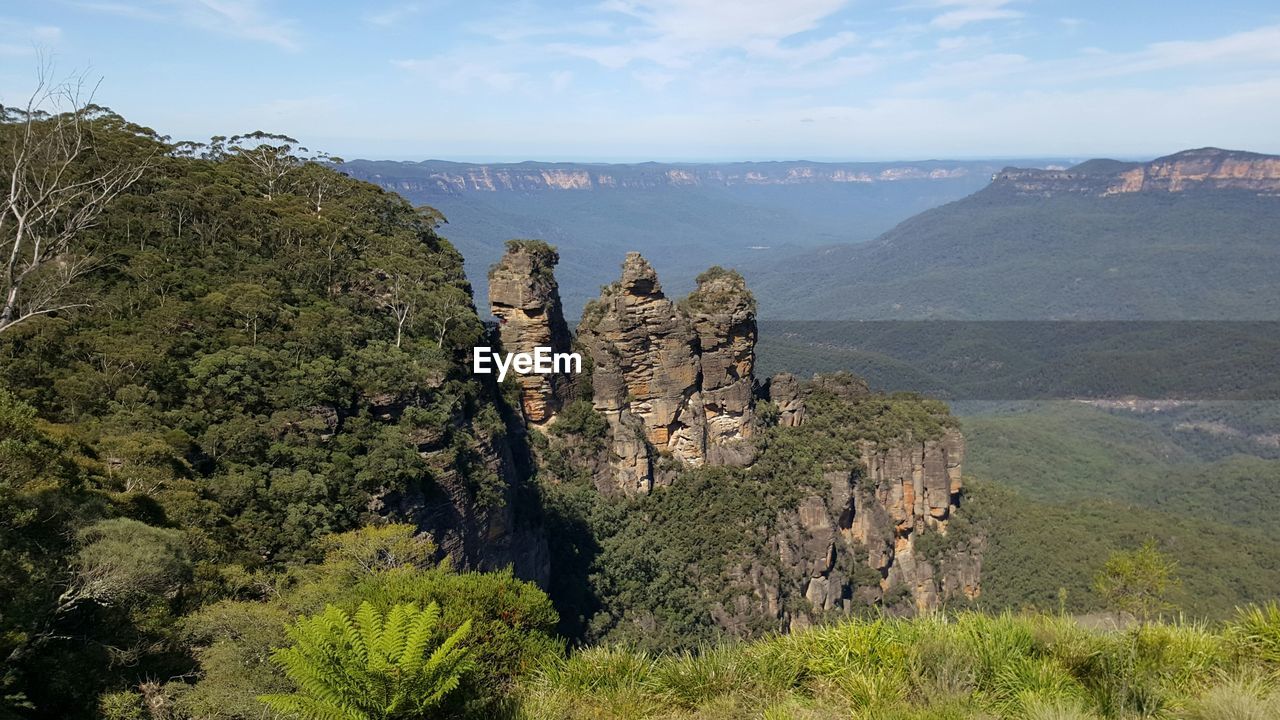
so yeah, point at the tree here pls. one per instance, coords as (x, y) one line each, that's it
(370, 666)
(1138, 582)
(271, 155)
(53, 193)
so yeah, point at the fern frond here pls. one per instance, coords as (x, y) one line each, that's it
(418, 638)
(369, 666)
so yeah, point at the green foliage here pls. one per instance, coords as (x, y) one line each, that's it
(511, 622)
(123, 705)
(998, 256)
(1045, 554)
(265, 347)
(579, 418)
(718, 290)
(1137, 582)
(258, 308)
(370, 666)
(1257, 627)
(967, 665)
(545, 255)
(126, 561)
(652, 571)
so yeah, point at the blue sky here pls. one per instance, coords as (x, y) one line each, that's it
(675, 79)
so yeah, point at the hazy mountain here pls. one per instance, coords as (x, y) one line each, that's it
(683, 217)
(1195, 235)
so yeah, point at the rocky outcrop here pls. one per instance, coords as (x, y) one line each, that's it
(906, 490)
(1187, 171)
(872, 518)
(477, 531)
(524, 297)
(671, 381)
(723, 314)
(875, 534)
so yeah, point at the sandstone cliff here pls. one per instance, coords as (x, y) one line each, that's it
(858, 540)
(523, 295)
(671, 381)
(861, 488)
(1187, 171)
(441, 178)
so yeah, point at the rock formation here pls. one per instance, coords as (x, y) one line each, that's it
(476, 533)
(1187, 171)
(723, 315)
(523, 295)
(856, 543)
(671, 380)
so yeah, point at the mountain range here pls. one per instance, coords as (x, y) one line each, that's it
(1194, 235)
(681, 216)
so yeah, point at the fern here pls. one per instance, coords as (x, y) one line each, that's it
(370, 666)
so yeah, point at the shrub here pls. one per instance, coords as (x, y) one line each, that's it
(370, 666)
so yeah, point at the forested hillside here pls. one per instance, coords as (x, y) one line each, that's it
(233, 355)
(1064, 245)
(244, 468)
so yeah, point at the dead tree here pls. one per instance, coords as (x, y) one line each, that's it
(50, 201)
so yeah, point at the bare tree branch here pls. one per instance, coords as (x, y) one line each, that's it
(50, 201)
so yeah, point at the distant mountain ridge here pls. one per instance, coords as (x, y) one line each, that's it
(682, 216)
(448, 178)
(1186, 171)
(1190, 236)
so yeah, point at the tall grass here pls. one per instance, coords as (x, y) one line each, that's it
(935, 667)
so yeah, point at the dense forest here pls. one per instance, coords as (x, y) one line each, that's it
(218, 355)
(233, 394)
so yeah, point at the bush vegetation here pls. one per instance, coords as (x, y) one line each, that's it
(935, 667)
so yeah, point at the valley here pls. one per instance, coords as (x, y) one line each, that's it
(267, 404)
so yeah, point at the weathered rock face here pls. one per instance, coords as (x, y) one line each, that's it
(905, 491)
(858, 542)
(671, 381)
(1190, 170)
(486, 534)
(723, 315)
(523, 295)
(439, 177)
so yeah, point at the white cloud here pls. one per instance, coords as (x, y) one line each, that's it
(461, 73)
(246, 19)
(21, 38)
(676, 33)
(955, 14)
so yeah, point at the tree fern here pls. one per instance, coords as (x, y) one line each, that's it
(370, 666)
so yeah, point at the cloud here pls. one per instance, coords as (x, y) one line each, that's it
(955, 14)
(245, 19)
(21, 38)
(1257, 50)
(396, 14)
(677, 33)
(462, 73)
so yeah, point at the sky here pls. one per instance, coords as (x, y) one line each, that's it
(674, 80)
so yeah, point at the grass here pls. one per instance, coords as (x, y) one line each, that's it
(934, 667)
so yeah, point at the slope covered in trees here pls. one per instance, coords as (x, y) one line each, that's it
(225, 367)
(1004, 255)
(237, 352)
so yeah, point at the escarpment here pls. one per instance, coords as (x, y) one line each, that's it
(672, 380)
(1187, 171)
(524, 297)
(875, 532)
(859, 489)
